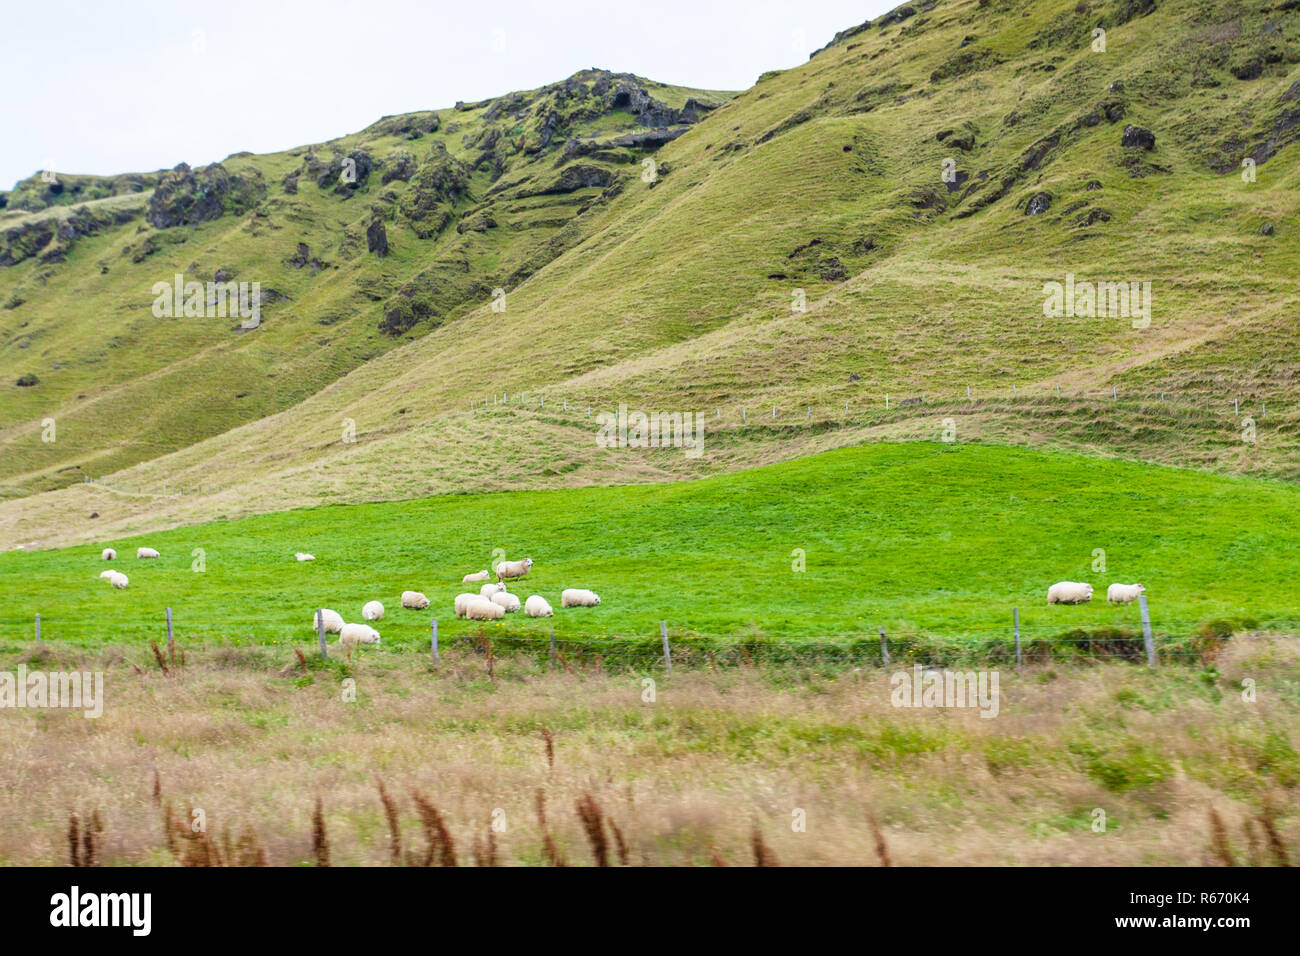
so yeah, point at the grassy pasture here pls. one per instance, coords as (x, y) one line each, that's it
(919, 538)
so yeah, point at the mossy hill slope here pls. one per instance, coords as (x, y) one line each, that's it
(915, 184)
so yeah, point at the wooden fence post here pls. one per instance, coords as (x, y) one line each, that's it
(171, 640)
(668, 654)
(552, 648)
(1146, 630)
(38, 628)
(884, 648)
(1015, 617)
(320, 629)
(433, 639)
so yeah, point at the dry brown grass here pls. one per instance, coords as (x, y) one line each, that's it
(708, 774)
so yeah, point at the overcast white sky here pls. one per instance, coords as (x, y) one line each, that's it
(109, 87)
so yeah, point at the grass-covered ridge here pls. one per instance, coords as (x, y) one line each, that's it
(918, 538)
(677, 293)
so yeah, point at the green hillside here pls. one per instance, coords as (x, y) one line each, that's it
(922, 539)
(676, 294)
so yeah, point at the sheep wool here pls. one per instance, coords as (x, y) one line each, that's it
(353, 634)
(414, 600)
(1069, 592)
(107, 574)
(108, 554)
(506, 601)
(333, 620)
(488, 590)
(373, 611)
(484, 610)
(475, 577)
(119, 580)
(578, 597)
(514, 569)
(304, 556)
(462, 602)
(537, 606)
(146, 553)
(1124, 593)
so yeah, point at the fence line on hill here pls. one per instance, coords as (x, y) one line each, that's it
(690, 644)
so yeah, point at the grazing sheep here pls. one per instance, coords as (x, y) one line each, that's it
(505, 600)
(476, 576)
(414, 600)
(108, 554)
(1124, 593)
(107, 574)
(146, 553)
(488, 590)
(537, 606)
(462, 601)
(514, 569)
(1069, 592)
(354, 634)
(578, 597)
(373, 611)
(333, 620)
(481, 609)
(304, 556)
(119, 580)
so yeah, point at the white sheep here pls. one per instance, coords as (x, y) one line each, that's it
(414, 600)
(506, 601)
(333, 620)
(1124, 593)
(481, 609)
(373, 611)
(119, 580)
(107, 574)
(354, 634)
(488, 590)
(304, 556)
(578, 597)
(146, 553)
(537, 606)
(476, 576)
(108, 554)
(1069, 592)
(513, 569)
(462, 601)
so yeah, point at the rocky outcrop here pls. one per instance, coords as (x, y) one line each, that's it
(1136, 137)
(186, 197)
(1038, 204)
(54, 234)
(377, 238)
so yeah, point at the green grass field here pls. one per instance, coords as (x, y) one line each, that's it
(919, 538)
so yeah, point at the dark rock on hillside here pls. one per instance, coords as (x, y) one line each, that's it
(410, 125)
(1038, 203)
(53, 236)
(346, 173)
(186, 197)
(571, 179)
(440, 182)
(291, 183)
(27, 381)
(1136, 137)
(398, 164)
(377, 238)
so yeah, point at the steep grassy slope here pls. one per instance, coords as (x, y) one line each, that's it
(443, 208)
(829, 179)
(919, 538)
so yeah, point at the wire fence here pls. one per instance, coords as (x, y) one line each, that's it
(1180, 641)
